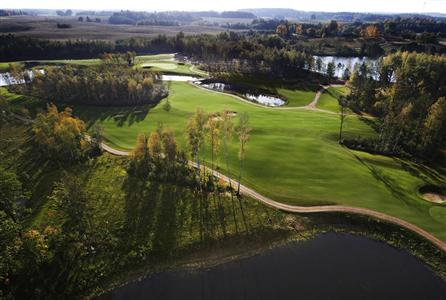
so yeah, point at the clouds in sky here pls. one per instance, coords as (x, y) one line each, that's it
(418, 6)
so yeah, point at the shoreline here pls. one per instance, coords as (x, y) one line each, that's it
(343, 223)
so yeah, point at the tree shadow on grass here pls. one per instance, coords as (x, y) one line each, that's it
(141, 199)
(391, 184)
(122, 115)
(425, 173)
(372, 123)
(166, 230)
(38, 176)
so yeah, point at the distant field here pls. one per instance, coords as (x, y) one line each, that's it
(46, 28)
(228, 20)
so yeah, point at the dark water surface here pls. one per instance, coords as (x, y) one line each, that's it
(331, 266)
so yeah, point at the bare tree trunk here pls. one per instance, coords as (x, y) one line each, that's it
(240, 176)
(342, 124)
(227, 167)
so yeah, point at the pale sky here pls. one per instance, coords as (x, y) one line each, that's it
(417, 6)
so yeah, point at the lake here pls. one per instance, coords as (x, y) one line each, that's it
(249, 93)
(7, 79)
(342, 63)
(330, 266)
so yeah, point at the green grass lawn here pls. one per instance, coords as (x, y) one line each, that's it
(172, 67)
(158, 62)
(297, 93)
(296, 97)
(329, 99)
(293, 156)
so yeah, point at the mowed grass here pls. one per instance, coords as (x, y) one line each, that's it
(329, 99)
(293, 156)
(297, 97)
(163, 63)
(172, 67)
(296, 93)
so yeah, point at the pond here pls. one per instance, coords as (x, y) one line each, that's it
(7, 79)
(342, 63)
(251, 94)
(178, 78)
(330, 266)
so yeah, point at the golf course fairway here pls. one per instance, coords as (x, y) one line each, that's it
(293, 155)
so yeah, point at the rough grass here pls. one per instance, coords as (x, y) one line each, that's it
(293, 156)
(22, 104)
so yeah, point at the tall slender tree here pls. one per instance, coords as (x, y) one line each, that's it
(243, 134)
(213, 136)
(195, 135)
(227, 128)
(434, 126)
(343, 114)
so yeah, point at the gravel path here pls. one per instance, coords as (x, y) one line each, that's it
(313, 209)
(299, 209)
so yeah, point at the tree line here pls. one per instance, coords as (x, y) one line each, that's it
(107, 84)
(408, 96)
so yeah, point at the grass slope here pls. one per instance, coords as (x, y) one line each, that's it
(293, 156)
(297, 93)
(329, 99)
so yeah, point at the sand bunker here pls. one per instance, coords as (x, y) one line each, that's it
(433, 194)
(435, 198)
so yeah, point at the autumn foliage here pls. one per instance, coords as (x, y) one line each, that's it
(58, 135)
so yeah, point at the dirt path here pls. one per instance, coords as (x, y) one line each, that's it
(299, 209)
(263, 106)
(312, 209)
(113, 151)
(313, 104)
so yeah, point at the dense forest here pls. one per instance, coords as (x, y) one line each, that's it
(345, 17)
(258, 53)
(104, 85)
(409, 98)
(420, 35)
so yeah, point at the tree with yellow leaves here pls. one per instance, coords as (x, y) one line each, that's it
(213, 136)
(155, 145)
(227, 128)
(243, 134)
(59, 135)
(169, 145)
(434, 126)
(370, 31)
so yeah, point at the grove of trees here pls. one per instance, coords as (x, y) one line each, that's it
(409, 98)
(107, 84)
(59, 136)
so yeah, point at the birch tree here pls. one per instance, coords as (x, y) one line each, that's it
(243, 135)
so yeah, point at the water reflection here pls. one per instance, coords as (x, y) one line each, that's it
(331, 266)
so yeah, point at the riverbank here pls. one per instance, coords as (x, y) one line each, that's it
(354, 268)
